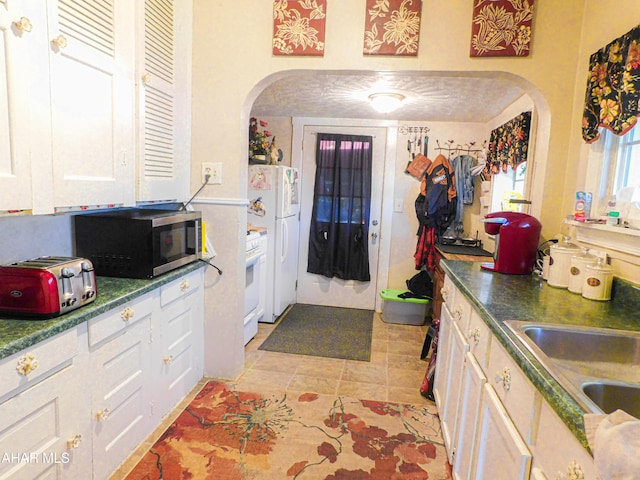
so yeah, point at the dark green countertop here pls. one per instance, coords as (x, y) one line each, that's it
(498, 297)
(16, 335)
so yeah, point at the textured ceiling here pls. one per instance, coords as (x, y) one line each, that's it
(430, 96)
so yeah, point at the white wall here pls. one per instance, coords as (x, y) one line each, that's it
(26, 237)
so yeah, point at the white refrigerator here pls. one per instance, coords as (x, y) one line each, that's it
(274, 203)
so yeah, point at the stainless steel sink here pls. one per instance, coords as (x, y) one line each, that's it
(587, 362)
(612, 396)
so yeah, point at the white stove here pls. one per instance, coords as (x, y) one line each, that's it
(254, 294)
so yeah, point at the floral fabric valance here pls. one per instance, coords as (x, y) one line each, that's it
(508, 145)
(613, 87)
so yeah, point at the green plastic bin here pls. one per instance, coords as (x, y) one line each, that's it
(405, 311)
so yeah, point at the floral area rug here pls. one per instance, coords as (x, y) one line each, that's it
(225, 434)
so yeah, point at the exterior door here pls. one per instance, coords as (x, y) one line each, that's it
(320, 290)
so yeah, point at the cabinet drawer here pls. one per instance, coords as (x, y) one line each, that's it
(479, 338)
(460, 310)
(448, 292)
(515, 390)
(180, 288)
(31, 365)
(116, 320)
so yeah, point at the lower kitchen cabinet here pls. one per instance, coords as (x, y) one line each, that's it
(495, 423)
(178, 360)
(41, 433)
(449, 413)
(76, 405)
(501, 454)
(557, 453)
(120, 413)
(473, 383)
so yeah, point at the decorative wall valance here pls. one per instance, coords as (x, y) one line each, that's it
(613, 87)
(508, 144)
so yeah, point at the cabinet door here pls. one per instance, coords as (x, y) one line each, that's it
(17, 90)
(557, 451)
(515, 390)
(164, 105)
(120, 409)
(45, 430)
(472, 387)
(92, 102)
(449, 414)
(442, 357)
(502, 454)
(180, 358)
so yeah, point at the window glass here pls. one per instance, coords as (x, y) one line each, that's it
(507, 186)
(620, 168)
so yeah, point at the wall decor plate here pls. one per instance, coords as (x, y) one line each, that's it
(299, 27)
(501, 28)
(392, 27)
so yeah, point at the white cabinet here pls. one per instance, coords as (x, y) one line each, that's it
(43, 433)
(145, 357)
(178, 359)
(163, 86)
(494, 422)
(91, 76)
(120, 355)
(16, 85)
(78, 404)
(473, 383)
(95, 94)
(458, 347)
(557, 453)
(501, 453)
(442, 357)
(69, 71)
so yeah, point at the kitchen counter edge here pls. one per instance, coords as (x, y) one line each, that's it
(498, 297)
(19, 334)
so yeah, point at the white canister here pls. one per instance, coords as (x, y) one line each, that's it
(560, 262)
(597, 281)
(577, 269)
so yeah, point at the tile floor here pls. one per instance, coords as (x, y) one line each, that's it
(394, 374)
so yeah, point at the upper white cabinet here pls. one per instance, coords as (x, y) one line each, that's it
(17, 40)
(163, 86)
(92, 94)
(91, 62)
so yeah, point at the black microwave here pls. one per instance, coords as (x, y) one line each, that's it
(138, 242)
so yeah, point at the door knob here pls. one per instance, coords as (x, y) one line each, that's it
(374, 235)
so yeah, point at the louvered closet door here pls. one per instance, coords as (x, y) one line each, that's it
(92, 97)
(164, 93)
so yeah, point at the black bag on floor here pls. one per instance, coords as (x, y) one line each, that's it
(420, 286)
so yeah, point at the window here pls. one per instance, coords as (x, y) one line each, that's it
(620, 180)
(509, 185)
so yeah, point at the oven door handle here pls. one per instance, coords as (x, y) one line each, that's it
(252, 260)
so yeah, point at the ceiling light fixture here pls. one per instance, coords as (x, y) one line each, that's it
(386, 102)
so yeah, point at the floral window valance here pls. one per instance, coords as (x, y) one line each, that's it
(613, 87)
(508, 144)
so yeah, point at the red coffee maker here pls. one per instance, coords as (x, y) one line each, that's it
(517, 236)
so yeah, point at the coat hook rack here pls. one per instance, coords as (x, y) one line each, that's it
(460, 149)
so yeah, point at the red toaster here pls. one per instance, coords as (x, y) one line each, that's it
(46, 287)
